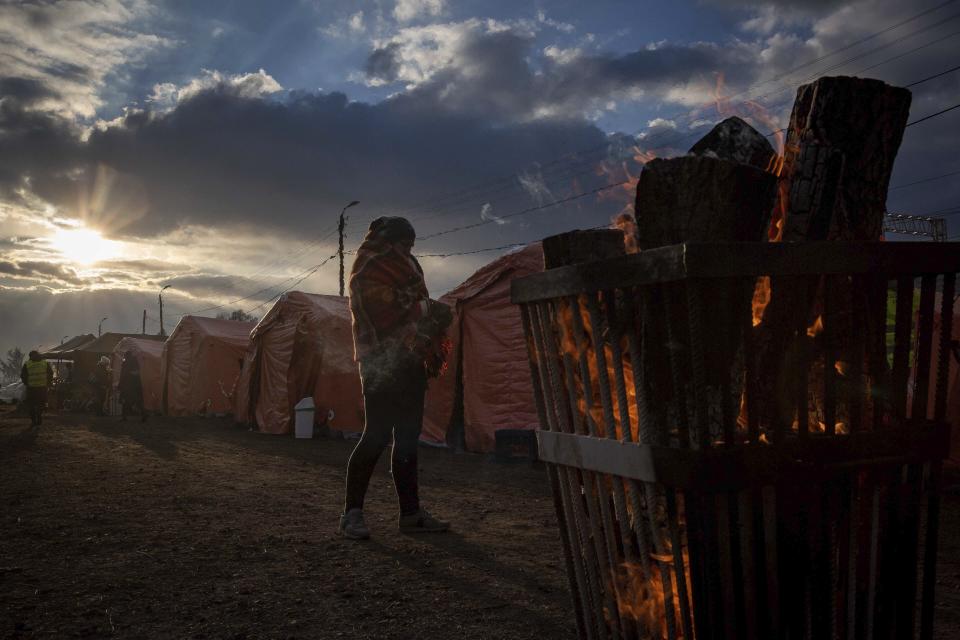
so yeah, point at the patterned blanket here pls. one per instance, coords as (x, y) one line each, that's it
(394, 320)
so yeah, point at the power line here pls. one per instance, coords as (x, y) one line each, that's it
(865, 54)
(936, 75)
(922, 180)
(907, 53)
(527, 210)
(311, 272)
(933, 115)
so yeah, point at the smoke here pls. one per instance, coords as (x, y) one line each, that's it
(535, 186)
(486, 214)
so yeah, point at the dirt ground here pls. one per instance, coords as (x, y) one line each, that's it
(199, 529)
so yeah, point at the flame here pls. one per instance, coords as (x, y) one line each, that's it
(840, 427)
(640, 593)
(622, 172)
(574, 347)
(841, 367)
(627, 224)
(761, 298)
(816, 328)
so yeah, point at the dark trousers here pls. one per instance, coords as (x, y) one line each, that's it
(36, 403)
(394, 407)
(131, 406)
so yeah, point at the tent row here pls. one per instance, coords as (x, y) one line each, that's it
(303, 347)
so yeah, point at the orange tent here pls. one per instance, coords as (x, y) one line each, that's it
(302, 347)
(488, 364)
(148, 354)
(201, 365)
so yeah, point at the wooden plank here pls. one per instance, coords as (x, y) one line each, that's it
(921, 384)
(737, 260)
(736, 468)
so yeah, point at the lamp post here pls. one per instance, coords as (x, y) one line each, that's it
(340, 228)
(160, 298)
(100, 326)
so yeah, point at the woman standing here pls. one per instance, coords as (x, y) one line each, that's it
(398, 341)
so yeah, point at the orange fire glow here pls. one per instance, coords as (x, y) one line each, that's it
(641, 596)
(573, 347)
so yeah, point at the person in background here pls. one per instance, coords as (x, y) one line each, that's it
(130, 388)
(36, 375)
(398, 337)
(100, 379)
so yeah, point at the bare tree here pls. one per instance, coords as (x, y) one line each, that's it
(10, 365)
(237, 315)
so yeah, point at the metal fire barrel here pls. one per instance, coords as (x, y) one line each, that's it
(745, 440)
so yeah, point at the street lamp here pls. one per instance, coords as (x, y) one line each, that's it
(100, 327)
(340, 227)
(160, 297)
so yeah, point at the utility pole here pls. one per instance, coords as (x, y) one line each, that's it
(143, 330)
(100, 327)
(160, 298)
(340, 227)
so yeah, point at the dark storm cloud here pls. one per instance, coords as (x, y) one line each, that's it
(33, 144)
(498, 74)
(47, 271)
(383, 64)
(218, 157)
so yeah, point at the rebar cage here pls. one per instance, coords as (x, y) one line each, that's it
(745, 440)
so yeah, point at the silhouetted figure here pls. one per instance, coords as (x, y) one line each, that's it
(398, 341)
(100, 379)
(131, 388)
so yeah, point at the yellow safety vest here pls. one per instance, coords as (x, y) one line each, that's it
(36, 373)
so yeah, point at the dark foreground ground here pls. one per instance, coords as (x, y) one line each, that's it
(194, 528)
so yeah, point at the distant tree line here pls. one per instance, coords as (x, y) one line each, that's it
(237, 315)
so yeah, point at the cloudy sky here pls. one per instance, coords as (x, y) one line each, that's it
(210, 146)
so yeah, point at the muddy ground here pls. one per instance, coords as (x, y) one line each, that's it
(199, 529)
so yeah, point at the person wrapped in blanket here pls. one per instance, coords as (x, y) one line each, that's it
(399, 341)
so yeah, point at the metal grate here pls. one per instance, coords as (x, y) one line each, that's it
(710, 485)
(909, 225)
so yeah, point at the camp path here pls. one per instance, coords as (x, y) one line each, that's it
(196, 528)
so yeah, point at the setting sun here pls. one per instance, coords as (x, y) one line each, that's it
(84, 246)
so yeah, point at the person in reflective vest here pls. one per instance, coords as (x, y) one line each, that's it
(36, 375)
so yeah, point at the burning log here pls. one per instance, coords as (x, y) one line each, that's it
(698, 199)
(735, 140)
(839, 153)
(581, 246)
(842, 141)
(701, 199)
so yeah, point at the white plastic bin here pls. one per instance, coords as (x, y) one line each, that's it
(303, 424)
